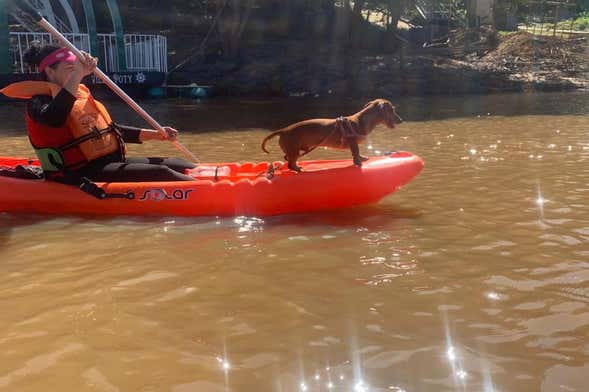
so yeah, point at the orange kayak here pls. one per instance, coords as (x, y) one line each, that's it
(222, 189)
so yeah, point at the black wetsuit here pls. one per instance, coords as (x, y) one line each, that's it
(53, 112)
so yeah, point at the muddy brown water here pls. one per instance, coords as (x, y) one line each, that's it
(474, 277)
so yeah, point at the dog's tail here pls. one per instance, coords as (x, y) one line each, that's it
(270, 136)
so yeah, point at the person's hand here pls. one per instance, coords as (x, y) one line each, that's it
(152, 134)
(86, 65)
(172, 134)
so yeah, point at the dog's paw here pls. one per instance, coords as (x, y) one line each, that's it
(358, 162)
(363, 158)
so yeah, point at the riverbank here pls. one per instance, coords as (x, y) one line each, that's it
(473, 62)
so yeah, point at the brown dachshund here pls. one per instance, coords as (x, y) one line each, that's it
(303, 137)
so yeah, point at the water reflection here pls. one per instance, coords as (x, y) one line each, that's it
(249, 224)
(225, 367)
(540, 201)
(328, 379)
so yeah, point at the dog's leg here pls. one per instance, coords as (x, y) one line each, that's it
(292, 158)
(353, 143)
(293, 166)
(291, 154)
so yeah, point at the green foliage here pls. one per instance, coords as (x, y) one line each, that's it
(580, 23)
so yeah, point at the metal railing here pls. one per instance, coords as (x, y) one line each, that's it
(146, 52)
(143, 52)
(555, 18)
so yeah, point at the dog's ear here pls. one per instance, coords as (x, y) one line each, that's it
(369, 104)
(385, 103)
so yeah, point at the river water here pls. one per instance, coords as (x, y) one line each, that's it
(474, 277)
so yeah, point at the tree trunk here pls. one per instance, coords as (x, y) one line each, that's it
(347, 5)
(358, 7)
(395, 10)
(232, 22)
(471, 9)
(355, 33)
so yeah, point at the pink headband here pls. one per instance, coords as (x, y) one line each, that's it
(63, 54)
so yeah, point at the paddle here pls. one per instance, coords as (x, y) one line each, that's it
(30, 13)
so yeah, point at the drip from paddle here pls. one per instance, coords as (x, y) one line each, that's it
(29, 12)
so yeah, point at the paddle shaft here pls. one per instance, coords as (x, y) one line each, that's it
(43, 23)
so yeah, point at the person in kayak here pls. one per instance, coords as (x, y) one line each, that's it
(73, 134)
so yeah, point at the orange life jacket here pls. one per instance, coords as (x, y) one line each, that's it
(88, 128)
